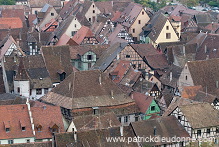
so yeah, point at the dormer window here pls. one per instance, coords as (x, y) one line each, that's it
(7, 130)
(89, 57)
(39, 128)
(54, 128)
(23, 128)
(7, 126)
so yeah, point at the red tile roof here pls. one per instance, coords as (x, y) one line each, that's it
(81, 34)
(190, 91)
(13, 116)
(12, 23)
(46, 115)
(143, 101)
(120, 70)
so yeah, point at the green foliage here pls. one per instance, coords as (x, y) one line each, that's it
(7, 2)
(190, 3)
(153, 5)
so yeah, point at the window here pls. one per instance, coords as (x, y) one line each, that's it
(28, 140)
(133, 30)
(142, 12)
(30, 91)
(186, 77)
(217, 130)
(18, 90)
(96, 110)
(89, 65)
(126, 119)
(7, 129)
(89, 57)
(136, 118)
(89, 19)
(79, 64)
(23, 128)
(120, 119)
(167, 27)
(168, 35)
(208, 131)
(152, 108)
(127, 56)
(139, 66)
(75, 25)
(179, 117)
(93, 11)
(199, 132)
(35, 12)
(38, 91)
(62, 76)
(46, 90)
(73, 33)
(52, 14)
(134, 66)
(93, 6)
(139, 21)
(10, 141)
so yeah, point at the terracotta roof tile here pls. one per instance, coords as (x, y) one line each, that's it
(81, 34)
(14, 22)
(190, 91)
(143, 101)
(43, 115)
(10, 116)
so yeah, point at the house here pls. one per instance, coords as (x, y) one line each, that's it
(32, 79)
(96, 137)
(21, 2)
(146, 104)
(121, 72)
(90, 11)
(147, 87)
(199, 120)
(2, 86)
(11, 99)
(85, 36)
(31, 43)
(57, 61)
(83, 57)
(208, 49)
(16, 124)
(196, 93)
(93, 122)
(9, 47)
(11, 23)
(161, 130)
(120, 32)
(79, 95)
(68, 26)
(47, 121)
(213, 28)
(203, 19)
(46, 14)
(203, 72)
(134, 18)
(37, 5)
(160, 30)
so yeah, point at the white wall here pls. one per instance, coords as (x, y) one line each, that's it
(17, 140)
(24, 88)
(34, 96)
(74, 26)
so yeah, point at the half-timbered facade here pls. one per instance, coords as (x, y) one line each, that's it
(90, 40)
(128, 53)
(199, 120)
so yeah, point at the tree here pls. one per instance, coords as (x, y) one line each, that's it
(190, 3)
(7, 2)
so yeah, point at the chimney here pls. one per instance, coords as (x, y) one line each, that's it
(75, 134)
(171, 76)
(205, 49)
(100, 79)
(121, 130)
(155, 131)
(112, 3)
(184, 50)
(207, 57)
(216, 84)
(112, 94)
